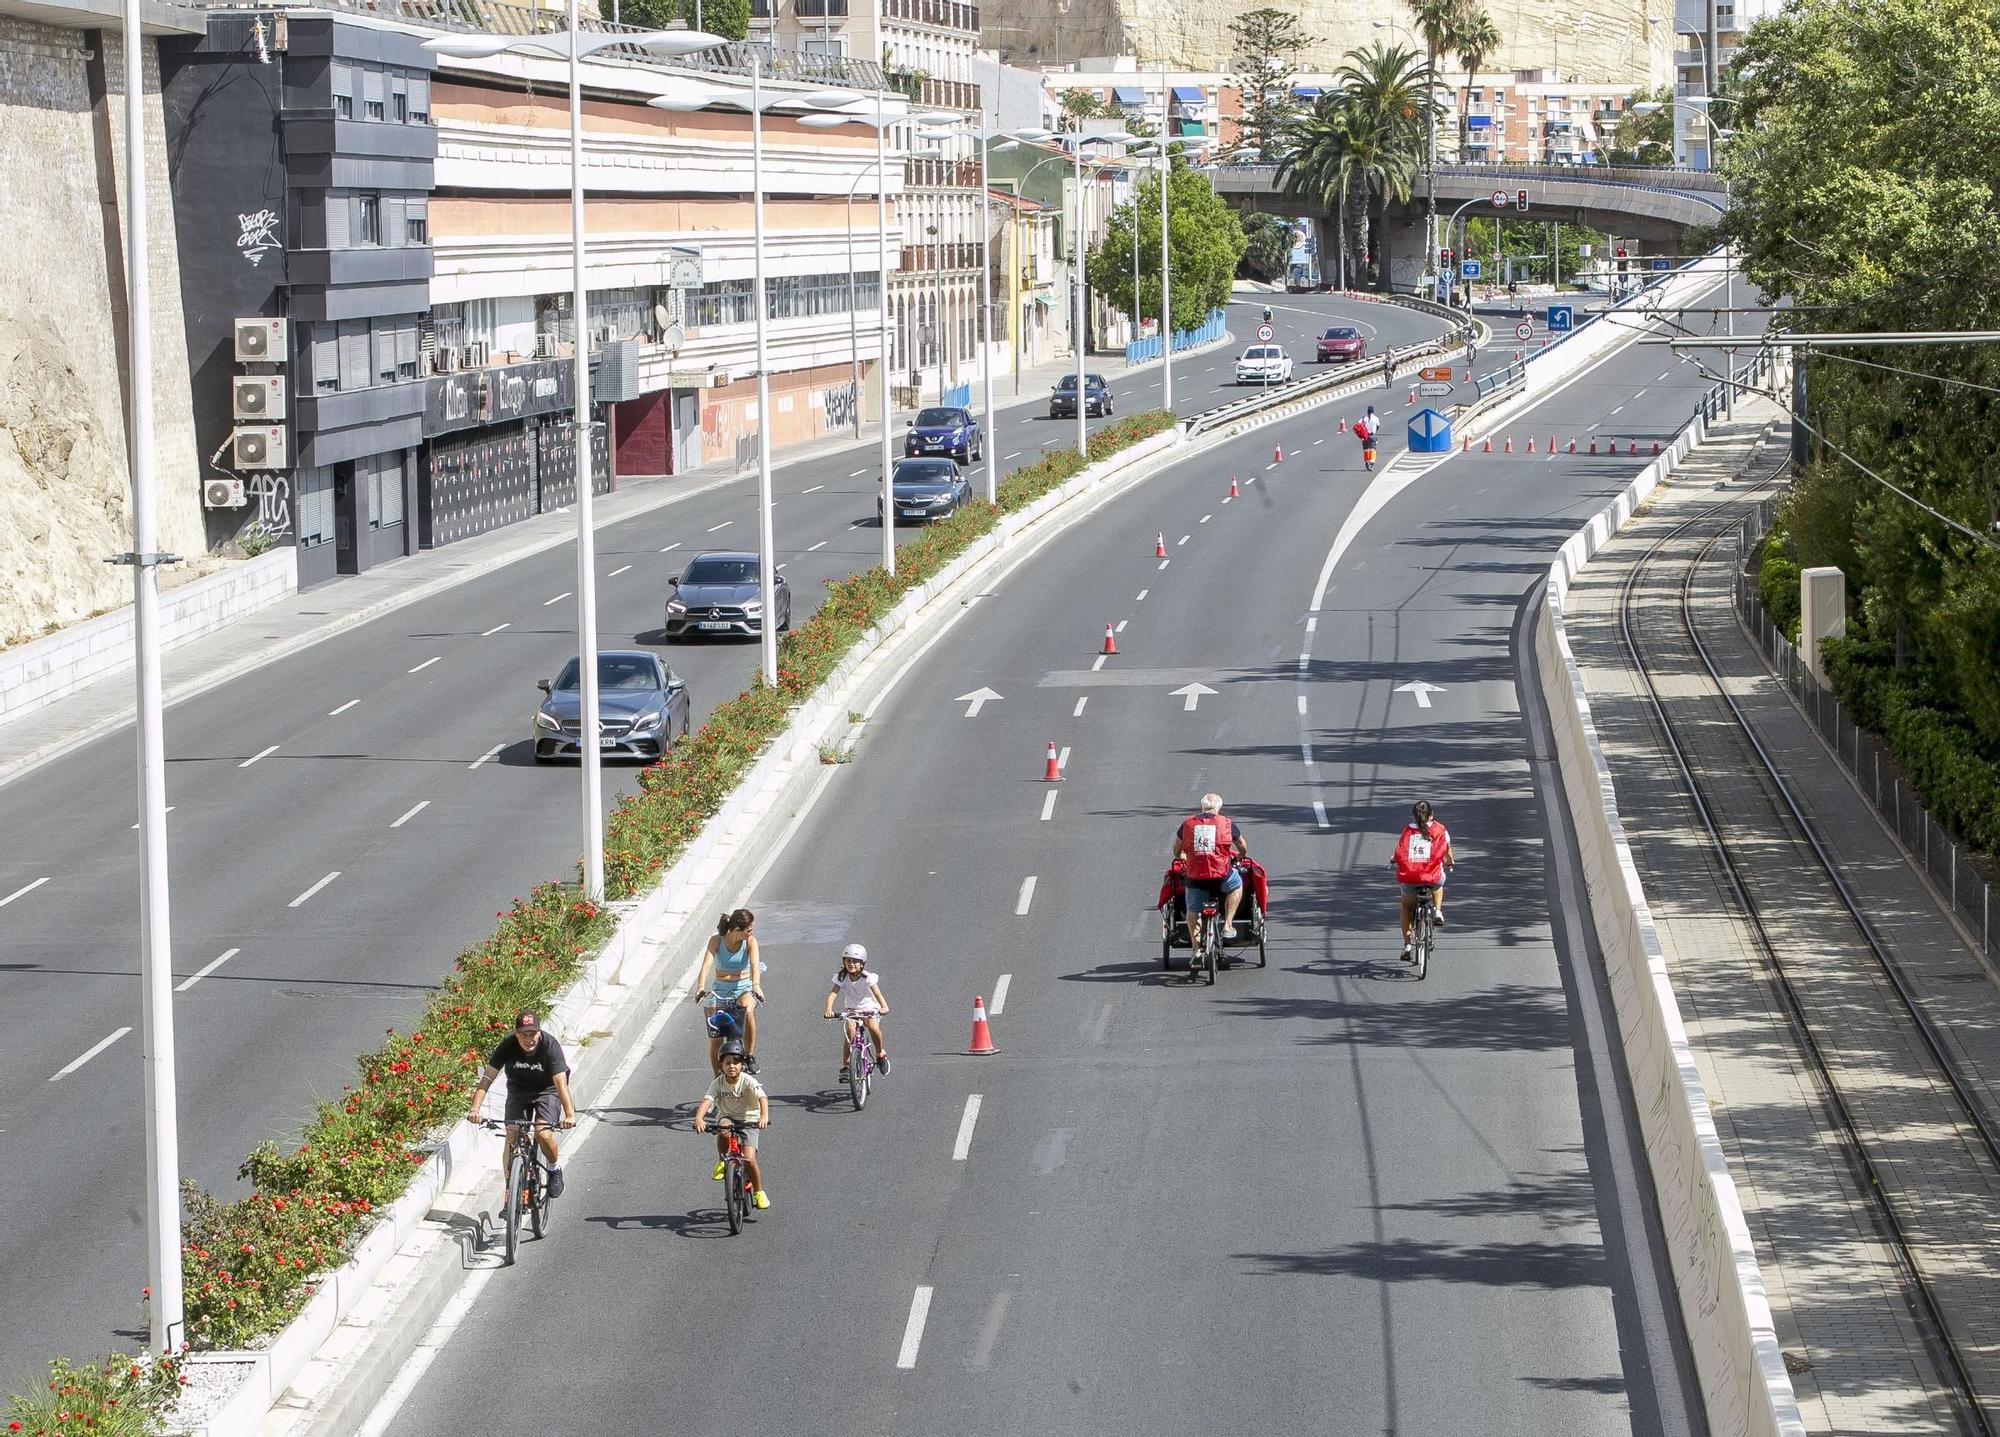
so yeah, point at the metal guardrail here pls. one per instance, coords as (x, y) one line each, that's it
(1320, 386)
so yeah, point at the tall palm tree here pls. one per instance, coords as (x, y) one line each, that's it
(1438, 21)
(1389, 90)
(1360, 143)
(1478, 39)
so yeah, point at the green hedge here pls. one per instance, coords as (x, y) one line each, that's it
(1778, 581)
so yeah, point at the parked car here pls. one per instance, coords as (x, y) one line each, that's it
(949, 431)
(1096, 397)
(1263, 364)
(718, 593)
(925, 489)
(641, 706)
(1341, 345)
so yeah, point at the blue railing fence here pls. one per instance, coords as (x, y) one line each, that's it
(1207, 332)
(959, 396)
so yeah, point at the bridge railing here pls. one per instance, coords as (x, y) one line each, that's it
(1207, 332)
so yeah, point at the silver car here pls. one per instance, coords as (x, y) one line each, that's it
(718, 593)
(641, 706)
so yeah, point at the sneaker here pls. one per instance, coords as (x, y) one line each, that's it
(884, 1065)
(555, 1183)
(1229, 931)
(1406, 953)
(846, 1072)
(763, 1199)
(1438, 918)
(720, 1163)
(750, 1064)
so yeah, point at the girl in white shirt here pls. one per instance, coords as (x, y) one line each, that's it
(857, 994)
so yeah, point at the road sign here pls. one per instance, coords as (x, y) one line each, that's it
(1264, 331)
(1562, 318)
(1662, 264)
(1433, 390)
(1435, 371)
(1499, 199)
(1468, 269)
(1444, 289)
(1430, 432)
(1525, 329)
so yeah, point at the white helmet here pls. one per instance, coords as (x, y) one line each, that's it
(855, 951)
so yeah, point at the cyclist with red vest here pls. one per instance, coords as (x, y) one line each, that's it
(1207, 846)
(1423, 858)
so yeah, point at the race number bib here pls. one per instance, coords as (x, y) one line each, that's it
(1420, 850)
(1204, 839)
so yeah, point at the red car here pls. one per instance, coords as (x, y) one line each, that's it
(1342, 343)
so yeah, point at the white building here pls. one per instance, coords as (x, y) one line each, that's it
(1706, 30)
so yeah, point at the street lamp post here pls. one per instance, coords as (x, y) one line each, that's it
(573, 44)
(1076, 277)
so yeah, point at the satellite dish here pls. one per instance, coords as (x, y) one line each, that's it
(673, 337)
(661, 317)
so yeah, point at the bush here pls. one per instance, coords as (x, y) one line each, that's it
(118, 1397)
(1778, 582)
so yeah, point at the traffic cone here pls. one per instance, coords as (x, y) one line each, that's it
(1593, 446)
(982, 1034)
(1572, 446)
(1277, 453)
(1160, 546)
(1656, 446)
(1412, 399)
(1635, 446)
(1552, 444)
(1110, 644)
(1489, 445)
(1466, 448)
(1531, 444)
(1468, 376)
(1234, 492)
(1343, 424)
(1510, 444)
(1050, 773)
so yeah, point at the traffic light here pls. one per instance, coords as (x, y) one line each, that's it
(1520, 199)
(1444, 256)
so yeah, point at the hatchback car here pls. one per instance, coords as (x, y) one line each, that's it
(1096, 397)
(948, 431)
(925, 489)
(719, 594)
(1263, 364)
(641, 706)
(1341, 344)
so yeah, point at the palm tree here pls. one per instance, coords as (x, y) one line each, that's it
(1317, 162)
(1359, 141)
(1438, 21)
(1478, 39)
(1389, 91)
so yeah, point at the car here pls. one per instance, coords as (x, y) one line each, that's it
(1263, 364)
(1342, 343)
(1096, 397)
(925, 489)
(949, 431)
(718, 593)
(641, 706)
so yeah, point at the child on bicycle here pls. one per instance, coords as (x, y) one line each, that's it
(738, 1098)
(857, 993)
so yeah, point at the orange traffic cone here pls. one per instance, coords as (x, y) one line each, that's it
(1466, 448)
(1593, 446)
(1110, 644)
(1160, 546)
(1234, 492)
(1489, 445)
(1552, 444)
(1510, 444)
(1656, 446)
(1343, 424)
(1572, 446)
(1531, 444)
(1277, 453)
(1050, 772)
(982, 1034)
(1635, 446)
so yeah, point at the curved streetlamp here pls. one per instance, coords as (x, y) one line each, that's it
(1082, 335)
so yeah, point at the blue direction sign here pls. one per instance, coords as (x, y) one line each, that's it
(1662, 264)
(1430, 432)
(1562, 318)
(1468, 269)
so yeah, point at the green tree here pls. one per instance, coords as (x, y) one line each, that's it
(1526, 242)
(1267, 255)
(1268, 42)
(727, 18)
(1204, 234)
(1388, 93)
(1645, 138)
(1080, 105)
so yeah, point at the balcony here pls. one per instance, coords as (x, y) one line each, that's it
(763, 12)
(820, 9)
(944, 14)
(931, 173)
(948, 95)
(927, 258)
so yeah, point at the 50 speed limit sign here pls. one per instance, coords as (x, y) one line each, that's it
(1264, 331)
(1524, 330)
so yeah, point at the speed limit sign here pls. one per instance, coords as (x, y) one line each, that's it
(1524, 330)
(1264, 331)
(1499, 199)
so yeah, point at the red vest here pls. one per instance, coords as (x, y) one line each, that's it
(1208, 843)
(1420, 853)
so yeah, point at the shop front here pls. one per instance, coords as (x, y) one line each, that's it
(499, 447)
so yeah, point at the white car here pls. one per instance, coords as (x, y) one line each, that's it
(1263, 364)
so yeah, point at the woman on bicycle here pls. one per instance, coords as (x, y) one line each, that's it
(730, 970)
(737, 1098)
(857, 993)
(1422, 859)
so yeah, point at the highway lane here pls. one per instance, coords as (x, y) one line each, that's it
(1317, 1195)
(359, 731)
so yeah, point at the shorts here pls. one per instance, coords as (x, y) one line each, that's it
(1215, 887)
(751, 1132)
(545, 1105)
(724, 994)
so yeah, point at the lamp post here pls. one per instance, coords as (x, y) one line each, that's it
(573, 45)
(1076, 276)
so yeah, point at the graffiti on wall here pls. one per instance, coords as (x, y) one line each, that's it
(840, 403)
(257, 235)
(273, 493)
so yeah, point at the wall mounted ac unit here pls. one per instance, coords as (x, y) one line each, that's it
(262, 341)
(258, 397)
(476, 354)
(261, 447)
(445, 359)
(547, 346)
(223, 494)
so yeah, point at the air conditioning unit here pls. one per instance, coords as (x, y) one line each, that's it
(262, 341)
(223, 494)
(261, 447)
(444, 359)
(258, 397)
(476, 354)
(547, 346)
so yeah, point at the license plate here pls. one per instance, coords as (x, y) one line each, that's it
(715, 624)
(607, 742)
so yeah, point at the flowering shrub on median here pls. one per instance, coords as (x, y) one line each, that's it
(118, 1397)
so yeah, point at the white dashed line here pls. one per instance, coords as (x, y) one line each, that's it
(712, 528)
(1121, 626)
(1077, 712)
(668, 550)
(1142, 596)
(434, 658)
(963, 1143)
(617, 571)
(1312, 625)
(1206, 517)
(1319, 441)
(1165, 562)
(1306, 753)
(1319, 812)
(94, 1051)
(1100, 662)
(427, 803)
(558, 598)
(169, 809)
(1251, 480)
(857, 523)
(1062, 760)
(1005, 457)
(490, 753)
(1027, 895)
(1305, 660)
(205, 969)
(18, 892)
(816, 488)
(857, 473)
(1048, 805)
(1269, 467)
(913, 1331)
(255, 756)
(1620, 407)
(1182, 540)
(336, 713)
(314, 889)
(820, 545)
(1302, 705)
(999, 1003)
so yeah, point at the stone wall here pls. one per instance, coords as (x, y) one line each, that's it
(64, 491)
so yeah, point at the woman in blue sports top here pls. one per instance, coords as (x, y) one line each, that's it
(730, 970)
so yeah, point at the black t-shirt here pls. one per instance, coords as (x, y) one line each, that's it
(533, 1071)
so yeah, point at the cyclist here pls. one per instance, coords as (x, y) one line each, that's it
(1267, 314)
(537, 1090)
(858, 994)
(729, 982)
(1423, 857)
(1207, 845)
(1365, 429)
(739, 1098)
(1388, 369)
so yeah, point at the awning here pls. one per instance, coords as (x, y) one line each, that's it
(1043, 300)
(1127, 95)
(1188, 128)
(1305, 92)
(1189, 95)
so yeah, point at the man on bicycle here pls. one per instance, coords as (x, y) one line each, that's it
(537, 1090)
(858, 995)
(1423, 858)
(1207, 845)
(1365, 429)
(738, 1098)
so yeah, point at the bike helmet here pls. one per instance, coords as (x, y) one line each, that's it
(854, 953)
(732, 1049)
(722, 1024)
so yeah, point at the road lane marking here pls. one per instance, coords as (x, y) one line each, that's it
(820, 545)
(1100, 662)
(913, 1331)
(1121, 626)
(817, 487)
(255, 756)
(1206, 517)
(205, 969)
(1638, 394)
(1302, 705)
(1100, 1025)
(668, 550)
(1142, 596)
(1305, 660)
(1165, 562)
(434, 658)
(427, 803)
(723, 525)
(558, 598)
(1269, 467)
(1027, 895)
(963, 1143)
(1312, 625)
(857, 524)
(1319, 812)
(1182, 540)
(18, 892)
(616, 572)
(780, 569)
(1062, 759)
(100, 1047)
(981, 1356)
(1005, 457)
(999, 1003)
(1319, 441)
(1251, 480)
(1077, 712)
(1620, 408)
(169, 809)
(857, 473)
(336, 713)
(490, 753)
(314, 889)
(1048, 805)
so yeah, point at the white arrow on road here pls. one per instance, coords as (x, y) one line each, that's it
(977, 700)
(1422, 690)
(1193, 693)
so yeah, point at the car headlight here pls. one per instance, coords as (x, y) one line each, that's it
(646, 723)
(753, 606)
(547, 720)
(675, 606)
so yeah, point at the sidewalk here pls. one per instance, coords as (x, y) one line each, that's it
(1840, 1300)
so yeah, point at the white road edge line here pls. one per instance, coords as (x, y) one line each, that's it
(1027, 896)
(427, 803)
(1048, 805)
(314, 889)
(434, 658)
(336, 713)
(496, 629)
(959, 1148)
(18, 892)
(913, 1331)
(100, 1047)
(999, 1003)
(255, 756)
(203, 971)
(490, 753)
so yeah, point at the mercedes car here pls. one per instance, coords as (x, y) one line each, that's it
(641, 706)
(952, 432)
(718, 594)
(1096, 397)
(925, 489)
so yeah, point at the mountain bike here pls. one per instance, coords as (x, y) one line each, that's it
(527, 1191)
(738, 1196)
(860, 1059)
(1423, 930)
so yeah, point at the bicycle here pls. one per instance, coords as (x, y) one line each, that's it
(1423, 929)
(738, 1196)
(527, 1186)
(1208, 944)
(860, 1058)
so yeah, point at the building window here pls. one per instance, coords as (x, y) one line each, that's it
(371, 94)
(385, 352)
(315, 521)
(417, 221)
(420, 99)
(343, 106)
(353, 354)
(400, 102)
(370, 230)
(325, 344)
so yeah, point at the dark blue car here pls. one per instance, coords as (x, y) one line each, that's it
(942, 432)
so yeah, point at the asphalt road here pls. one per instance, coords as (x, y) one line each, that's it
(1319, 1196)
(354, 735)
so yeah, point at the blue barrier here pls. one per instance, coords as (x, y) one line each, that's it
(1139, 351)
(959, 396)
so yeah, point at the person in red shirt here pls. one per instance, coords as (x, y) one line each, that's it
(1423, 858)
(1206, 847)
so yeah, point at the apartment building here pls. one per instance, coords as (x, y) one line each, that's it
(1204, 108)
(1532, 117)
(1705, 30)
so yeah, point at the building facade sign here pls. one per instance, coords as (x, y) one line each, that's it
(497, 396)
